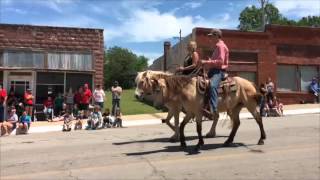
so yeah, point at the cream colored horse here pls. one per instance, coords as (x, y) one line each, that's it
(183, 90)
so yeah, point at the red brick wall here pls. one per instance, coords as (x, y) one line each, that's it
(56, 39)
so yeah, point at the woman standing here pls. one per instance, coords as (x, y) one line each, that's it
(28, 101)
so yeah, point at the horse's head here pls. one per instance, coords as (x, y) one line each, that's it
(145, 84)
(159, 92)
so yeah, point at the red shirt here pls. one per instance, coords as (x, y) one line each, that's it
(48, 103)
(3, 95)
(220, 56)
(85, 98)
(28, 99)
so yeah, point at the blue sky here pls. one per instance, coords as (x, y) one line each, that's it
(142, 25)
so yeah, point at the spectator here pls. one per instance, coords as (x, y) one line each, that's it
(67, 121)
(3, 99)
(8, 126)
(99, 96)
(58, 105)
(116, 91)
(12, 100)
(48, 108)
(28, 101)
(69, 99)
(315, 89)
(107, 121)
(276, 108)
(24, 123)
(263, 101)
(77, 99)
(95, 118)
(85, 100)
(270, 89)
(118, 119)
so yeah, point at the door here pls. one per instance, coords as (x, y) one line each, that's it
(19, 83)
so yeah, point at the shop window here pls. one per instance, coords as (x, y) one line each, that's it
(49, 82)
(75, 80)
(306, 75)
(23, 59)
(251, 76)
(286, 80)
(70, 61)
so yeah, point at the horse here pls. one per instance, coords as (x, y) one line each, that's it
(184, 89)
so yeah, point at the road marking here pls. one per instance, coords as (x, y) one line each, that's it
(310, 147)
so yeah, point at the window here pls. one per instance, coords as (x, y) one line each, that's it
(75, 80)
(251, 76)
(286, 78)
(243, 56)
(53, 82)
(306, 75)
(295, 78)
(311, 51)
(1, 78)
(23, 59)
(70, 61)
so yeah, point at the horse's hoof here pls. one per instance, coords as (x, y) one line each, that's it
(183, 145)
(261, 142)
(210, 135)
(227, 144)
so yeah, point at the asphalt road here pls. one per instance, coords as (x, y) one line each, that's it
(291, 151)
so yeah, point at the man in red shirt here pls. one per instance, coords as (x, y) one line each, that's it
(216, 66)
(3, 99)
(85, 99)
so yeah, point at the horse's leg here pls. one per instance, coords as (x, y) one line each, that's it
(176, 124)
(235, 124)
(212, 132)
(252, 109)
(186, 119)
(199, 131)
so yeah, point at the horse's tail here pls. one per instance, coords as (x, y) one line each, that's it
(258, 97)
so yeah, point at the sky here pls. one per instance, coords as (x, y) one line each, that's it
(142, 25)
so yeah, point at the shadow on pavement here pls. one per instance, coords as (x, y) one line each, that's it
(190, 150)
(157, 140)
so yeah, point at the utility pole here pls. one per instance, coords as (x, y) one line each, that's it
(263, 5)
(180, 35)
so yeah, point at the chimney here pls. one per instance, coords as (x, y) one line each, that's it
(166, 48)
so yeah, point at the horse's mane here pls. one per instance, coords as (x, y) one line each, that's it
(174, 82)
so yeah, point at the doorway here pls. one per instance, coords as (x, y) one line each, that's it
(19, 82)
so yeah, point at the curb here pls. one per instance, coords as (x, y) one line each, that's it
(131, 123)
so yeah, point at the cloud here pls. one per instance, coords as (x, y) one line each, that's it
(193, 5)
(15, 10)
(151, 25)
(150, 55)
(298, 8)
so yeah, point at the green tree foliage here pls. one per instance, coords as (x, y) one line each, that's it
(251, 18)
(122, 65)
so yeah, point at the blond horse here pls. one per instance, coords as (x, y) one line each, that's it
(183, 90)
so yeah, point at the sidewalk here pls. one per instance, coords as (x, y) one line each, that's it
(152, 119)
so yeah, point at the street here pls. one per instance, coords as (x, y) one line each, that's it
(291, 151)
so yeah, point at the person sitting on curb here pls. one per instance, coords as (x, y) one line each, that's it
(24, 123)
(107, 121)
(67, 121)
(10, 125)
(315, 89)
(95, 118)
(118, 119)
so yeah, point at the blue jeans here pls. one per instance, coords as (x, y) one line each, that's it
(215, 76)
(1, 113)
(115, 105)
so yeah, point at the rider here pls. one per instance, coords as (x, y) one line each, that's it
(191, 60)
(216, 66)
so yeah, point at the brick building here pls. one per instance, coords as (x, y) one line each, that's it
(289, 55)
(47, 58)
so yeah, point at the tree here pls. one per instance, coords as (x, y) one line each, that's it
(251, 18)
(122, 65)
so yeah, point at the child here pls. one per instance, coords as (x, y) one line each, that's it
(67, 121)
(107, 121)
(95, 118)
(24, 123)
(48, 108)
(118, 120)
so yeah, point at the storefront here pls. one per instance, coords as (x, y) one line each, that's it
(49, 59)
